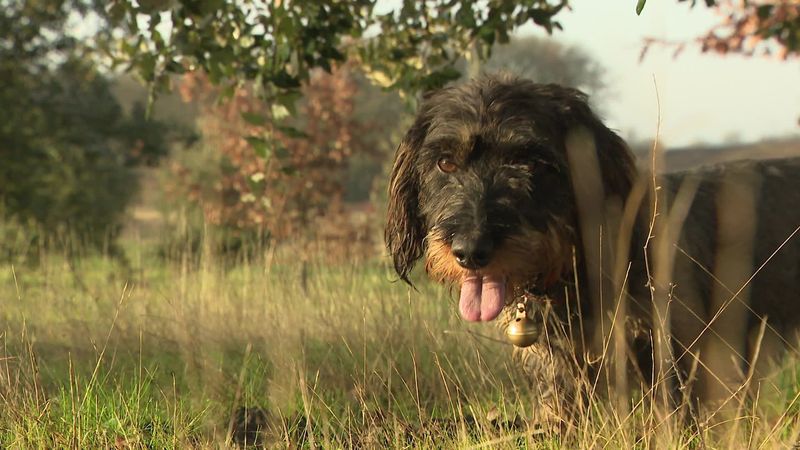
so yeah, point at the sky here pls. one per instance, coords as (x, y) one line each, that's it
(704, 98)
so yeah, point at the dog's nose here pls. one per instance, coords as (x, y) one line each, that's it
(473, 252)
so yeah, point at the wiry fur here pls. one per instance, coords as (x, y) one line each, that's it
(547, 208)
(512, 259)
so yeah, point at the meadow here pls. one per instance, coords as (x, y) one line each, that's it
(93, 359)
(308, 352)
(280, 119)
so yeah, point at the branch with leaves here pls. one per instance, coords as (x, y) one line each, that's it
(754, 27)
(277, 44)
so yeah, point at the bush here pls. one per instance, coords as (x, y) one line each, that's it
(68, 157)
(255, 183)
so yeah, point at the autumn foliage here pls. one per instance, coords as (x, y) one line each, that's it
(284, 181)
(753, 27)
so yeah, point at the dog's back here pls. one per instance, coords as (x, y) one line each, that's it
(775, 211)
(736, 277)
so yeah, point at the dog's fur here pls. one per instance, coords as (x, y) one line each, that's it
(555, 198)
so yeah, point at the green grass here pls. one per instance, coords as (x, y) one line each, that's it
(338, 356)
(92, 357)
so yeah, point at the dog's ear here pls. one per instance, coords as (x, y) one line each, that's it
(405, 229)
(614, 158)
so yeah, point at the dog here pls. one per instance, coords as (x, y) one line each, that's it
(515, 192)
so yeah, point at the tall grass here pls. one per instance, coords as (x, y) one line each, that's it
(334, 355)
(168, 355)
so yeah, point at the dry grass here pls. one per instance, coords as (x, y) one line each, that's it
(343, 345)
(336, 355)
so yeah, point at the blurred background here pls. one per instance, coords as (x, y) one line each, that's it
(221, 225)
(91, 154)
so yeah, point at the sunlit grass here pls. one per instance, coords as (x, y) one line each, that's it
(186, 346)
(336, 355)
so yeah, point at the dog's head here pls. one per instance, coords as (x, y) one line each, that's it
(482, 187)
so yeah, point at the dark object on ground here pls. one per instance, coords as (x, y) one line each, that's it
(248, 427)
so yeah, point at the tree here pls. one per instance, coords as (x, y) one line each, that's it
(66, 147)
(281, 194)
(274, 47)
(277, 44)
(547, 61)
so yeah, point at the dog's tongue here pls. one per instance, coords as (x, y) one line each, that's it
(482, 297)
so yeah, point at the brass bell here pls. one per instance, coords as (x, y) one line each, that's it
(523, 331)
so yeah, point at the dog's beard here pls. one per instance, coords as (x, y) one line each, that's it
(526, 257)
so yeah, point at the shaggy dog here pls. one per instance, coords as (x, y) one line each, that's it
(515, 192)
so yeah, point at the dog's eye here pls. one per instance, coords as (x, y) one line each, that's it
(447, 165)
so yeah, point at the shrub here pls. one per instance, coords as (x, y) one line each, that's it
(68, 155)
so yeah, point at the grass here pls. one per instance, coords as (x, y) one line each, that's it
(92, 359)
(333, 355)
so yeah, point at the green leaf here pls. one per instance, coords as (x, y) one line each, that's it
(292, 132)
(175, 67)
(764, 11)
(281, 152)
(254, 118)
(539, 16)
(117, 12)
(288, 99)
(283, 52)
(256, 185)
(486, 33)
(283, 80)
(466, 17)
(289, 170)
(226, 93)
(439, 78)
(640, 6)
(147, 67)
(260, 146)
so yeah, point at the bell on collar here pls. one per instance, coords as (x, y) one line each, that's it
(522, 331)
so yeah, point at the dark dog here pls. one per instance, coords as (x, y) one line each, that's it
(514, 191)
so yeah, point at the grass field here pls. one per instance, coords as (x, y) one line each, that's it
(173, 354)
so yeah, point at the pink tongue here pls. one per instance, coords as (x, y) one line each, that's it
(482, 297)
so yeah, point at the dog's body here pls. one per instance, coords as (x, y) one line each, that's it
(515, 190)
